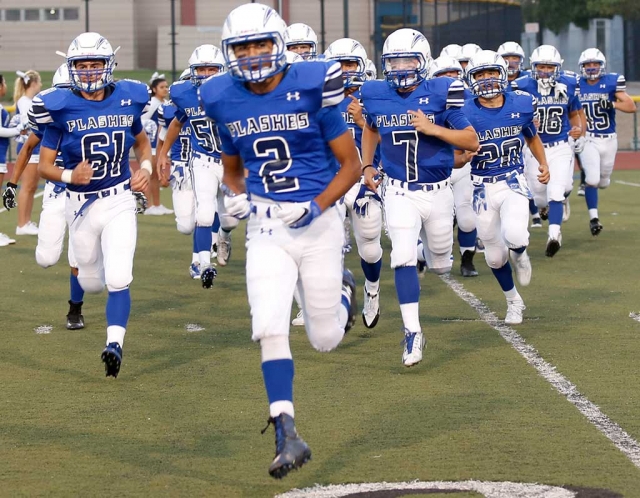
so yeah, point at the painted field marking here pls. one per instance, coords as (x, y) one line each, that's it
(635, 316)
(43, 329)
(627, 183)
(193, 327)
(39, 194)
(623, 441)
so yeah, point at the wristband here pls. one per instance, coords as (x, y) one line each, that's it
(146, 165)
(367, 166)
(65, 177)
(12, 185)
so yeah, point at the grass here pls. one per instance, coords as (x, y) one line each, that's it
(184, 416)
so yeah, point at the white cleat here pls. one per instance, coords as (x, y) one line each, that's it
(536, 222)
(515, 308)
(224, 248)
(298, 321)
(5, 240)
(414, 343)
(522, 266)
(371, 309)
(29, 229)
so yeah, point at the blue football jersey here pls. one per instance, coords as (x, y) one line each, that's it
(283, 136)
(356, 131)
(205, 137)
(553, 110)
(501, 133)
(4, 142)
(601, 120)
(181, 148)
(408, 155)
(101, 132)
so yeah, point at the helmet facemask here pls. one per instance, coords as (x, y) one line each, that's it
(593, 72)
(487, 88)
(90, 80)
(255, 69)
(404, 70)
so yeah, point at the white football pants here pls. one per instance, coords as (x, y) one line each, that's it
(52, 228)
(560, 161)
(598, 158)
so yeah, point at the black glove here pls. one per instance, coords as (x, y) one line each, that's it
(606, 104)
(141, 202)
(9, 196)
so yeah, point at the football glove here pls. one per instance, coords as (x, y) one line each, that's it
(9, 196)
(298, 215)
(141, 202)
(578, 144)
(238, 205)
(606, 104)
(361, 204)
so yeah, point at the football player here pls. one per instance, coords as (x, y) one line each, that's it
(363, 205)
(94, 125)
(280, 123)
(503, 122)
(601, 95)
(206, 168)
(513, 55)
(418, 121)
(301, 39)
(560, 116)
(467, 51)
(460, 180)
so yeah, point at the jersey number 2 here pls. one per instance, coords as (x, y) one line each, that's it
(273, 171)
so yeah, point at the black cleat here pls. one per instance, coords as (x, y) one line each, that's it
(544, 213)
(349, 293)
(291, 450)
(112, 358)
(553, 246)
(467, 269)
(207, 276)
(75, 320)
(595, 226)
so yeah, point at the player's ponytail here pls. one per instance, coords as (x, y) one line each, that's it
(23, 82)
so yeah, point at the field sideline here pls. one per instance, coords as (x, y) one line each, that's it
(184, 416)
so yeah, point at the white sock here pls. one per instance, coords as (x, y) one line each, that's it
(593, 213)
(411, 316)
(463, 249)
(512, 294)
(205, 258)
(279, 407)
(195, 258)
(275, 347)
(115, 333)
(214, 238)
(372, 287)
(554, 231)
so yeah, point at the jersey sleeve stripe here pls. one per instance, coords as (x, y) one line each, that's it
(38, 113)
(621, 84)
(333, 90)
(455, 95)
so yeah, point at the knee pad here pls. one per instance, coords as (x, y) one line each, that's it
(119, 281)
(369, 250)
(111, 288)
(516, 237)
(324, 332)
(441, 271)
(205, 219)
(555, 192)
(604, 182)
(496, 257)
(91, 285)
(466, 218)
(46, 258)
(185, 225)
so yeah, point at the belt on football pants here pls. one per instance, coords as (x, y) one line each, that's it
(601, 135)
(553, 144)
(493, 179)
(416, 187)
(91, 197)
(206, 158)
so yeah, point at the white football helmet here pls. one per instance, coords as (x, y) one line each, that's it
(252, 22)
(454, 50)
(487, 88)
(468, 50)
(406, 56)
(205, 56)
(90, 47)
(371, 71)
(349, 50)
(515, 50)
(61, 77)
(546, 55)
(185, 75)
(302, 34)
(292, 57)
(445, 64)
(592, 55)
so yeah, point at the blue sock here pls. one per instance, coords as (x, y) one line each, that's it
(202, 239)
(371, 270)
(555, 213)
(504, 277)
(467, 239)
(118, 308)
(216, 224)
(77, 292)
(591, 196)
(520, 250)
(533, 209)
(278, 380)
(407, 284)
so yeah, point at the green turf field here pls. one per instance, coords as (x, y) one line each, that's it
(185, 414)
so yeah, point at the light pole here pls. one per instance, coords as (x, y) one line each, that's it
(86, 15)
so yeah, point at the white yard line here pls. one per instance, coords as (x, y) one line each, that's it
(40, 194)
(627, 183)
(635, 316)
(623, 441)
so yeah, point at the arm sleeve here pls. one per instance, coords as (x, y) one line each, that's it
(331, 123)
(52, 137)
(333, 89)
(226, 142)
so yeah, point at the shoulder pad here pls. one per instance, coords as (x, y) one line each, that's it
(138, 91)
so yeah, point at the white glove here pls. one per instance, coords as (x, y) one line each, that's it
(237, 206)
(578, 144)
(290, 213)
(151, 128)
(561, 90)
